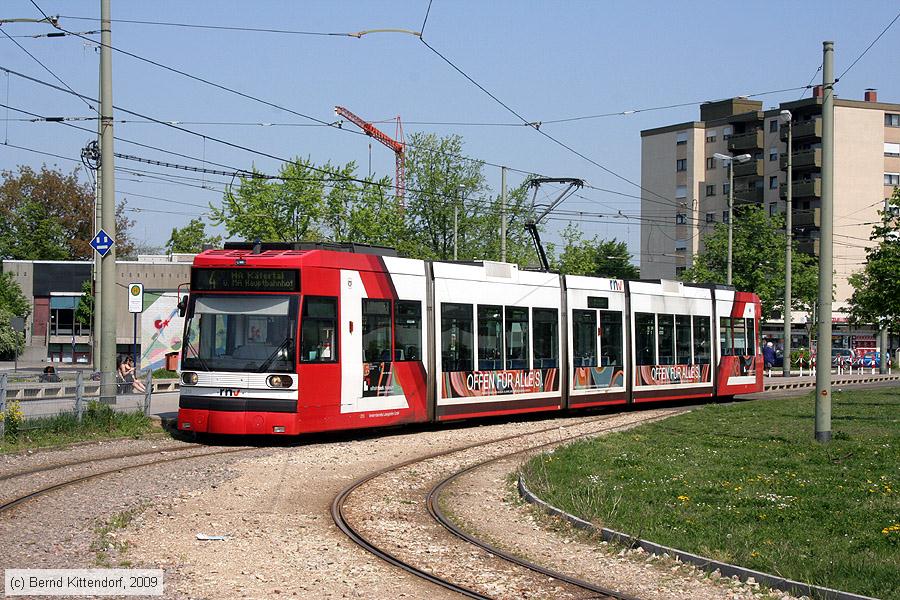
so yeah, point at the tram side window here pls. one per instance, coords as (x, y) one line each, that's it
(456, 337)
(666, 325)
(408, 330)
(645, 338)
(725, 337)
(516, 338)
(584, 338)
(701, 341)
(545, 322)
(490, 338)
(376, 330)
(683, 340)
(751, 337)
(611, 346)
(318, 334)
(740, 337)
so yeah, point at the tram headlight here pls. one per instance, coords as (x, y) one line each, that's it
(280, 381)
(189, 378)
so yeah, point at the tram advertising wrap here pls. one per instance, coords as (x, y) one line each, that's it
(473, 384)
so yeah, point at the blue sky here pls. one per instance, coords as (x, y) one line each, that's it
(546, 60)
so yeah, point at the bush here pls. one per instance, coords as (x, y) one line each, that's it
(164, 374)
(797, 354)
(12, 417)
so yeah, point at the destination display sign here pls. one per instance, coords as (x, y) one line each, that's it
(245, 280)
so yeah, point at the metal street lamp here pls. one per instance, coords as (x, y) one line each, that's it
(729, 160)
(786, 117)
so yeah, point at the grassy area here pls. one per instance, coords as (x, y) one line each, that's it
(747, 484)
(99, 422)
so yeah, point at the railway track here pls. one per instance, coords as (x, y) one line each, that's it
(579, 587)
(21, 499)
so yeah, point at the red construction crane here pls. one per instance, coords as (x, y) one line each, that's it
(397, 145)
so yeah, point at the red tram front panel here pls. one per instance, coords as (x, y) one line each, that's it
(740, 369)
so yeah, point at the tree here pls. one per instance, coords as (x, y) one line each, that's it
(49, 215)
(876, 289)
(594, 257)
(191, 238)
(12, 304)
(84, 312)
(441, 181)
(758, 261)
(287, 209)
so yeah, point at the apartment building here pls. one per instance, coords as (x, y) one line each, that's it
(677, 163)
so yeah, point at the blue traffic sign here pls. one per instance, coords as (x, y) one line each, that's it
(102, 243)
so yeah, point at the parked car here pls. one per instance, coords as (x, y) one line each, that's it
(841, 356)
(868, 360)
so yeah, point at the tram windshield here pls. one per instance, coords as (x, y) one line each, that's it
(240, 332)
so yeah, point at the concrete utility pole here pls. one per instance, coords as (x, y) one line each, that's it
(883, 337)
(787, 117)
(826, 252)
(98, 261)
(730, 161)
(503, 214)
(108, 213)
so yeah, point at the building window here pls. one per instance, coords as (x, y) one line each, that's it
(681, 164)
(681, 219)
(773, 126)
(679, 271)
(891, 149)
(681, 191)
(773, 207)
(710, 163)
(711, 190)
(727, 132)
(710, 136)
(681, 138)
(891, 120)
(892, 179)
(773, 182)
(725, 189)
(680, 245)
(724, 216)
(710, 217)
(773, 153)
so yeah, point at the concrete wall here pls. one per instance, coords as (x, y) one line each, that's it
(858, 189)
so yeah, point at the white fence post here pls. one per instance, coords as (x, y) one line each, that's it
(3, 378)
(79, 395)
(148, 393)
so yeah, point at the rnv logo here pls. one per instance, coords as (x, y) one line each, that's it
(229, 392)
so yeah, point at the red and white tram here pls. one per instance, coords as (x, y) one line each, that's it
(297, 338)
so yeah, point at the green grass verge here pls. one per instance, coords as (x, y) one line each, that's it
(747, 484)
(164, 374)
(98, 422)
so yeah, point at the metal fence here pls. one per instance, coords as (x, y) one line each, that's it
(37, 401)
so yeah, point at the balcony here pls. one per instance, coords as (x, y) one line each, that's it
(747, 195)
(808, 246)
(751, 140)
(751, 168)
(808, 217)
(804, 129)
(803, 159)
(804, 189)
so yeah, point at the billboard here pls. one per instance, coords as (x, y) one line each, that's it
(162, 329)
